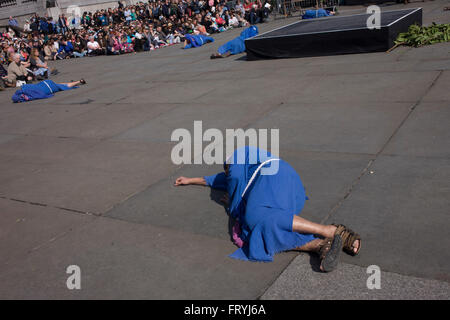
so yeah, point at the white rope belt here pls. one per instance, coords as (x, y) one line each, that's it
(48, 86)
(255, 173)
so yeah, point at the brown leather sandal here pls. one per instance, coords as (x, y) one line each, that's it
(329, 252)
(348, 238)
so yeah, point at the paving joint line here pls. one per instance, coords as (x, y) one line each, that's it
(34, 203)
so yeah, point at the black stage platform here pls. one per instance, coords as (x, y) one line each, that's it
(332, 35)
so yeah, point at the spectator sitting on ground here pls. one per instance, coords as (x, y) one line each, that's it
(127, 46)
(219, 21)
(17, 71)
(93, 47)
(37, 66)
(79, 47)
(199, 29)
(102, 42)
(49, 51)
(65, 50)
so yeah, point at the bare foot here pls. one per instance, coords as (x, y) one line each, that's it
(356, 245)
(332, 230)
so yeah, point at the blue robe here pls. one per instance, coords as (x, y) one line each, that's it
(267, 209)
(197, 40)
(311, 14)
(237, 45)
(42, 90)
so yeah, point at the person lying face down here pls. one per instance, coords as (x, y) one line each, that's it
(42, 90)
(237, 45)
(194, 41)
(318, 13)
(266, 209)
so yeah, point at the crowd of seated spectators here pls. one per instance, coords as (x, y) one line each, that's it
(120, 30)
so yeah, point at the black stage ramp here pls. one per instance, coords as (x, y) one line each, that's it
(332, 35)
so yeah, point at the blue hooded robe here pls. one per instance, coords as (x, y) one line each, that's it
(237, 45)
(42, 90)
(267, 208)
(197, 40)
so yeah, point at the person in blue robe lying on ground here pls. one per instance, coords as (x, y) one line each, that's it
(237, 45)
(42, 90)
(319, 13)
(194, 41)
(265, 196)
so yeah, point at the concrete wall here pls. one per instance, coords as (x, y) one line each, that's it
(21, 11)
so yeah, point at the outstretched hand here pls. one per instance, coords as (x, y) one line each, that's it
(182, 181)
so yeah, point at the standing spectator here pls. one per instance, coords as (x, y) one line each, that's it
(13, 22)
(127, 14)
(62, 24)
(43, 26)
(26, 26)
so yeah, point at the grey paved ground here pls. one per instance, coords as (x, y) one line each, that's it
(86, 176)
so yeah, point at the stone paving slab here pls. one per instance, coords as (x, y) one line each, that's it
(327, 178)
(29, 227)
(440, 91)
(425, 134)
(85, 189)
(14, 122)
(134, 158)
(105, 121)
(301, 281)
(193, 209)
(400, 208)
(121, 260)
(302, 125)
(45, 148)
(182, 116)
